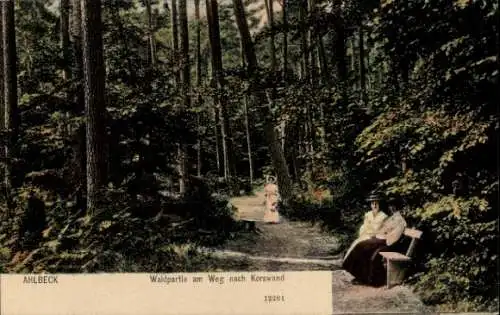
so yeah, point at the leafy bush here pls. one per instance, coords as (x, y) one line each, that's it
(123, 237)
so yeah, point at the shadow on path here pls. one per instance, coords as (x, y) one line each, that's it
(300, 246)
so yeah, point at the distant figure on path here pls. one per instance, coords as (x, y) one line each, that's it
(378, 233)
(271, 214)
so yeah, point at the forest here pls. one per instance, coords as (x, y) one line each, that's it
(126, 125)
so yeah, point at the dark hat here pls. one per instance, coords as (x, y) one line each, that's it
(374, 197)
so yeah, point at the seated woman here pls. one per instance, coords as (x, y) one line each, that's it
(362, 259)
(371, 224)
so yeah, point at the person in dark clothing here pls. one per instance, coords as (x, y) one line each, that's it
(363, 260)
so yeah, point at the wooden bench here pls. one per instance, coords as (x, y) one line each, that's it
(249, 224)
(396, 263)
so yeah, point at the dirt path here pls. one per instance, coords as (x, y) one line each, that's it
(287, 239)
(295, 246)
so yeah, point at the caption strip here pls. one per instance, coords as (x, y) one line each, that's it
(184, 293)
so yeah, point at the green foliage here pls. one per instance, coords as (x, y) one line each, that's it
(430, 144)
(424, 139)
(421, 130)
(129, 233)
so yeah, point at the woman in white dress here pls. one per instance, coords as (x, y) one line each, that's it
(362, 259)
(371, 224)
(271, 214)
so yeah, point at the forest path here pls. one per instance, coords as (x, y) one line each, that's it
(300, 246)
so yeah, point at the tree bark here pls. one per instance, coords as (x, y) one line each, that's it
(247, 121)
(66, 57)
(198, 42)
(217, 141)
(284, 15)
(185, 65)
(278, 159)
(2, 107)
(353, 60)
(311, 73)
(322, 61)
(310, 138)
(339, 56)
(303, 41)
(76, 42)
(177, 78)
(362, 68)
(270, 16)
(151, 39)
(80, 150)
(175, 37)
(198, 82)
(185, 86)
(65, 44)
(323, 67)
(249, 141)
(217, 68)
(94, 84)
(272, 47)
(11, 122)
(313, 47)
(285, 39)
(117, 20)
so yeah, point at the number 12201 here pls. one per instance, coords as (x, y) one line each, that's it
(274, 298)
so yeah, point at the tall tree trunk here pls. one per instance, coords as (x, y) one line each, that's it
(10, 92)
(285, 38)
(185, 86)
(76, 43)
(185, 64)
(215, 45)
(216, 65)
(80, 150)
(340, 56)
(217, 141)
(65, 44)
(353, 61)
(310, 138)
(2, 107)
(175, 36)
(247, 121)
(272, 47)
(304, 50)
(66, 57)
(284, 16)
(94, 75)
(2, 103)
(118, 22)
(249, 142)
(278, 158)
(151, 38)
(198, 83)
(198, 145)
(323, 67)
(362, 68)
(177, 77)
(368, 74)
(311, 74)
(323, 63)
(311, 39)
